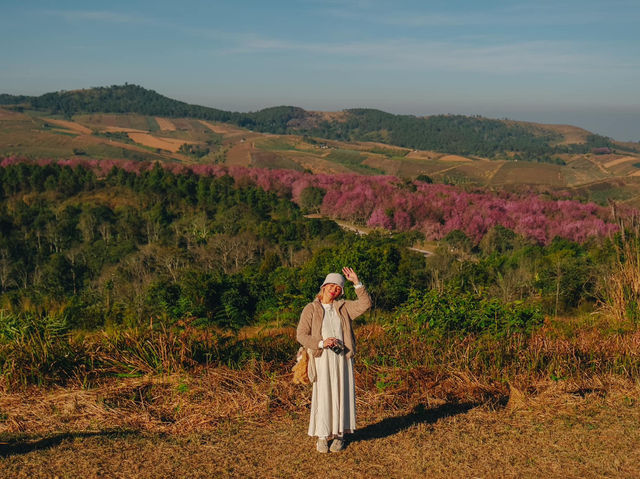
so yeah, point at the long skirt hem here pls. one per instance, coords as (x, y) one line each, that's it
(333, 401)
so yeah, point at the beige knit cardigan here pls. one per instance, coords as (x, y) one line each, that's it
(309, 332)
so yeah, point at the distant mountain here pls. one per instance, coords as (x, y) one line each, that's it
(456, 134)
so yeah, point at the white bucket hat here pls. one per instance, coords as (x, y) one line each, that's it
(334, 278)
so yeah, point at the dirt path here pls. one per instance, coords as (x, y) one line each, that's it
(493, 174)
(240, 154)
(582, 437)
(360, 230)
(449, 168)
(423, 251)
(363, 230)
(599, 166)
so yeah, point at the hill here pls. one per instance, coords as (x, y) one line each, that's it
(131, 123)
(189, 141)
(455, 134)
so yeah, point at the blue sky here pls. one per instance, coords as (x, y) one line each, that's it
(550, 61)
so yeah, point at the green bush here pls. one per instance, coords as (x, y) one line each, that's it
(452, 311)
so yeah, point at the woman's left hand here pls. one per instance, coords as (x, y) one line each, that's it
(350, 275)
(329, 342)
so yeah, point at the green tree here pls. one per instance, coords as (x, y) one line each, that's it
(311, 199)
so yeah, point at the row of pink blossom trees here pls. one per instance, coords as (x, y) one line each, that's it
(389, 203)
(436, 209)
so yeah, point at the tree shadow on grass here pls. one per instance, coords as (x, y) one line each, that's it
(25, 446)
(420, 415)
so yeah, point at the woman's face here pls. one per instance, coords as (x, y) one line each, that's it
(332, 291)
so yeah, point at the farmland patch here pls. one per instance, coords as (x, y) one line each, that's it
(581, 171)
(10, 115)
(319, 165)
(70, 125)
(266, 159)
(352, 160)
(169, 144)
(240, 154)
(423, 155)
(528, 173)
(224, 129)
(121, 121)
(165, 124)
(620, 161)
(454, 158)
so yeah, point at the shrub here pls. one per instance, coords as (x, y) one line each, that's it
(452, 311)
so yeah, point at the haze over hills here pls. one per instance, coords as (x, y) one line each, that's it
(131, 122)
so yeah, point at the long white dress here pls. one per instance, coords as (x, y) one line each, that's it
(333, 401)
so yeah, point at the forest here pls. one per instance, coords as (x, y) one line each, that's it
(83, 250)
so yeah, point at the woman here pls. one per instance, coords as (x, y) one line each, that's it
(325, 328)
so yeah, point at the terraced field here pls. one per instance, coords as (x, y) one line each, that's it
(152, 141)
(151, 138)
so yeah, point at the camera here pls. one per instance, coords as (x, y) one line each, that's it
(338, 348)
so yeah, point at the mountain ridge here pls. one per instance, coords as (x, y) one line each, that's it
(455, 134)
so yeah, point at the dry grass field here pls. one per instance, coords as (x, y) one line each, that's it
(319, 165)
(616, 189)
(423, 155)
(169, 144)
(223, 129)
(222, 423)
(9, 115)
(619, 161)
(71, 125)
(583, 170)
(165, 124)
(267, 159)
(240, 154)
(120, 121)
(480, 172)
(454, 159)
(526, 172)
(25, 136)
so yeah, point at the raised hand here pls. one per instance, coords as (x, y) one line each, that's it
(350, 275)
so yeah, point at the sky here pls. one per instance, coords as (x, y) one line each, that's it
(575, 62)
